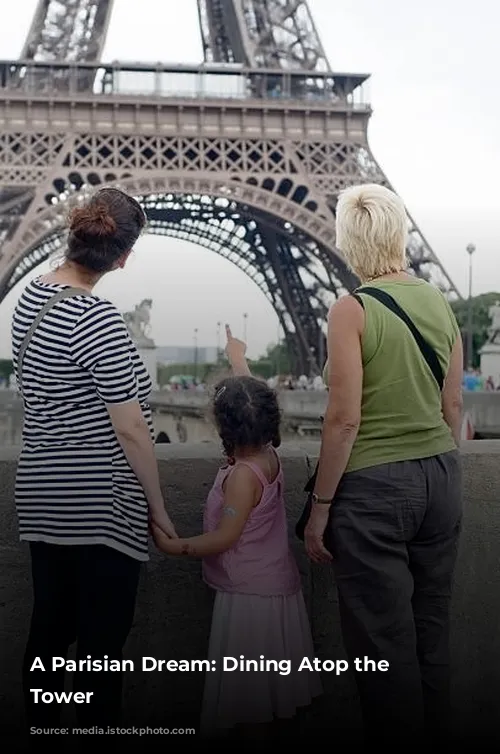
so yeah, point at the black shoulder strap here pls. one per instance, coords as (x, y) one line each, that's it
(426, 349)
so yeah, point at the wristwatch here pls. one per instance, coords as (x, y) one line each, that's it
(320, 500)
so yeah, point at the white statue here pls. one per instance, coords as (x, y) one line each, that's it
(494, 315)
(138, 323)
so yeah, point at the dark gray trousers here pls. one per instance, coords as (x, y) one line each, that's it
(394, 532)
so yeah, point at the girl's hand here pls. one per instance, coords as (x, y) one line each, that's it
(314, 533)
(235, 349)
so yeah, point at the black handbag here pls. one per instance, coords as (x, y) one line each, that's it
(301, 524)
(428, 354)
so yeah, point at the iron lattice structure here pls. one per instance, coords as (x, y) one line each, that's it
(244, 154)
(71, 31)
(261, 34)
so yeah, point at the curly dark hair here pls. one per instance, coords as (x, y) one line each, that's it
(246, 413)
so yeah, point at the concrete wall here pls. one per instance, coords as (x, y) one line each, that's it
(196, 430)
(306, 406)
(300, 408)
(484, 410)
(173, 612)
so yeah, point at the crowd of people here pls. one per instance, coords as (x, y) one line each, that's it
(384, 507)
(474, 381)
(288, 382)
(277, 382)
(186, 383)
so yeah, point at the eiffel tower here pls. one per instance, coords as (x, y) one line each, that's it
(244, 154)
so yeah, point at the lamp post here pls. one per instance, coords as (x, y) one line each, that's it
(196, 353)
(245, 318)
(321, 355)
(278, 346)
(219, 324)
(470, 251)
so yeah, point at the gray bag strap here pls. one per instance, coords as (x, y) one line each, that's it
(59, 296)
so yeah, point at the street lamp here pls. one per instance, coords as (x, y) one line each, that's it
(245, 318)
(321, 343)
(195, 352)
(278, 346)
(219, 325)
(470, 251)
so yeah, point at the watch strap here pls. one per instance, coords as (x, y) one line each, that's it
(320, 500)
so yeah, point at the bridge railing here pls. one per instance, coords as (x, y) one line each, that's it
(181, 81)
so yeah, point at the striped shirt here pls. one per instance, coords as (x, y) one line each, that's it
(74, 484)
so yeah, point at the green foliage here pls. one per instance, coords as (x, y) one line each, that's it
(278, 355)
(262, 368)
(201, 371)
(480, 320)
(276, 360)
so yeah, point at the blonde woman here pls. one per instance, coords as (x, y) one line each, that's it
(387, 496)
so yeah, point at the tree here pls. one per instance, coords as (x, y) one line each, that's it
(275, 361)
(165, 371)
(480, 320)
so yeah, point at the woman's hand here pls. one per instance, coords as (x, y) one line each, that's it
(161, 520)
(165, 544)
(314, 533)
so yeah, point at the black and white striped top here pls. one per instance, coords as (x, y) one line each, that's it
(74, 484)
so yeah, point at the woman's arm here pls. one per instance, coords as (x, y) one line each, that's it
(342, 417)
(134, 436)
(345, 382)
(100, 343)
(451, 399)
(242, 493)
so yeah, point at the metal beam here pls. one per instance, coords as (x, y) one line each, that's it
(261, 34)
(71, 31)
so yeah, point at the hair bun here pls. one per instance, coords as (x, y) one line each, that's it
(93, 221)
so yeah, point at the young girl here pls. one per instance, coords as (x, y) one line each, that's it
(259, 609)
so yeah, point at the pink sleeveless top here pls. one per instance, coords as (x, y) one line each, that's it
(261, 561)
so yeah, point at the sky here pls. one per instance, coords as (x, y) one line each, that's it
(434, 130)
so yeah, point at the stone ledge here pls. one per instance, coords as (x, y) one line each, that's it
(289, 450)
(174, 607)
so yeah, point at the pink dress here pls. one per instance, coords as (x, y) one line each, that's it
(259, 615)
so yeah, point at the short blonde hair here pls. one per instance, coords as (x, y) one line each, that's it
(372, 230)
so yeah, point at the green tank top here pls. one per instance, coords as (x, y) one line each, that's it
(401, 415)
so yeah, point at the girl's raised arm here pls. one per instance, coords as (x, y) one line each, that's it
(235, 352)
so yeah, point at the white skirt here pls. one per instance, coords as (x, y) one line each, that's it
(247, 627)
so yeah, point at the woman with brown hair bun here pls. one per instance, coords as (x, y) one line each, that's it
(87, 480)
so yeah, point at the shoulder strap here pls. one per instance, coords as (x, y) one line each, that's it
(426, 349)
(256, 470)
(260, 474)
(64, 293)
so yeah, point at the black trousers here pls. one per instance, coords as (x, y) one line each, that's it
(394, 532)
(82, 593)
